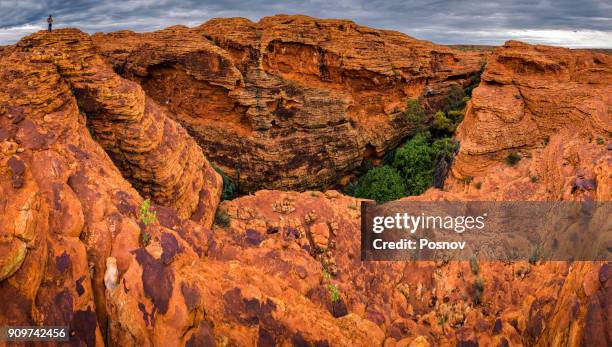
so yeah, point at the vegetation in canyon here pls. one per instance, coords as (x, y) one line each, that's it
(409, 169)
(71, 199)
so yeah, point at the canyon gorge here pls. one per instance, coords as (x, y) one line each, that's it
(94, 126)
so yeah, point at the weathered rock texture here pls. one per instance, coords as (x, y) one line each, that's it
(157, 155)
(65, 208)
(289, 102)
(69, 200)
(295, 236)
(425, 303)
(550, 106)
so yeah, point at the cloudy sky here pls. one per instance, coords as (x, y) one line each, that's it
(571, 23)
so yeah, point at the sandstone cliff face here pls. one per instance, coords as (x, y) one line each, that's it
(151, 150)
(65, 208)
(290, 102)
(552, 108)
(566, 104)
(80, 147)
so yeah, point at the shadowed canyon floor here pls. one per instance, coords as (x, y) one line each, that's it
(91, 126)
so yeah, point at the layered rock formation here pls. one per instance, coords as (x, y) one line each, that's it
(289, 102)
(549, 108)
(151, 150)
(80, 148)
(66, 209)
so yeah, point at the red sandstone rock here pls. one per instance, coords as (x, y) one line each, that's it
(550, 106)
(151, 150)
(257, 276)
(289, 102)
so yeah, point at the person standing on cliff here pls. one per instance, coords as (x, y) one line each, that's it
(50, 21)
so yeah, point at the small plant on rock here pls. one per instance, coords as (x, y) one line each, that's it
(333, 292)
(535, 255)
(478, 290)
(145, 238)
(147, 216)
(442, 319)
(222, 219)
(512, 159)
(474, 265)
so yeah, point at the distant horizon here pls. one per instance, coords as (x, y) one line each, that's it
(566, 23)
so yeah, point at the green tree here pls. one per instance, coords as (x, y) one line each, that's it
(441, 122)
(229, 188)
(455, 98)
(415, 114)
(444, 146)
(381, 183)
(415, 161)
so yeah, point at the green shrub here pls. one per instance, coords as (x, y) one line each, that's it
(441, 122)
(474, 81)
(415, 114)
(455, 98)
(333, 292)
(409, 172)
(415, 160)
(146, 215)
(600, 141)
(535, 255)
(442, 319)
(478, 290)
(445, 146)
(229, 188)
(145, 238)
(222, 218)
(381, 183)
(478, 185)
(456, 115)
(474, 265)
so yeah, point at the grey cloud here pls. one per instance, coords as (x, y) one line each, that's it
(564, 22)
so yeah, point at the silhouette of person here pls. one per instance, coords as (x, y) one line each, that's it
(50, 21)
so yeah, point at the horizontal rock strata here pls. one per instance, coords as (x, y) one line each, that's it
(289, 102)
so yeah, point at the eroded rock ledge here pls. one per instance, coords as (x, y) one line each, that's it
(257, 277)
(152, 151)
(289, 102)
(550, 108)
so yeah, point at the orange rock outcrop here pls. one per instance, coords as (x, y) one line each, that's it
(81, 148)
(67, 206)
(152, 151)
(551, 108)
(289, 102)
